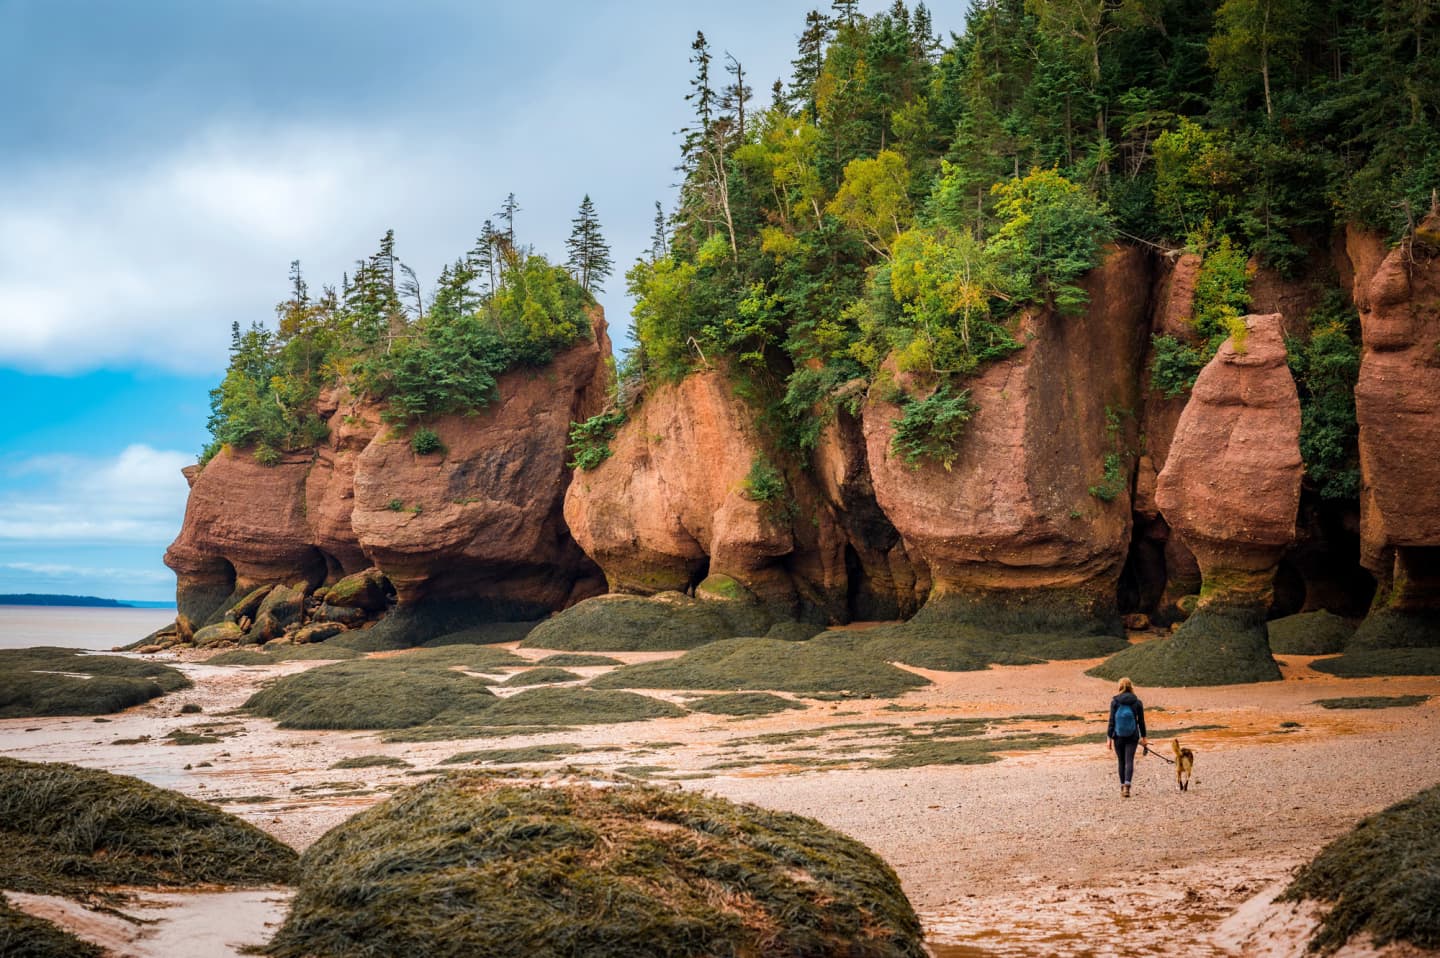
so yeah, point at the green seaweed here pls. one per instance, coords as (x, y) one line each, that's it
(1365, 663)
(371, 761)
(1309, 633)
(1373, 702)
(1211, 648)
(543, 675)
(25, 936)
(513, 756)
(574, 660)
(53, 681)
(744, 703)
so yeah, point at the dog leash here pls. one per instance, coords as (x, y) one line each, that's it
(1149, 751)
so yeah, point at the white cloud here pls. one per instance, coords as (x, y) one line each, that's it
(58, 570)
(134, 498)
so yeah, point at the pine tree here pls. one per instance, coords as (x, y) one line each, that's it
(736, 95)
(844, 11)
(507, 213)
(659, 245)
(809, 60)
(705, 151)
(589, 260)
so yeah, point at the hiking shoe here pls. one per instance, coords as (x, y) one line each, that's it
(1124, 791)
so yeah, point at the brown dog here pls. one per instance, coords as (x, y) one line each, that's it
(1184, 764)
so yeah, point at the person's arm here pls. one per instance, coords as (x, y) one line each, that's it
(1110, 726)
(1140, 719)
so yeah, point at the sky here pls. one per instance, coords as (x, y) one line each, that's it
(163, 161)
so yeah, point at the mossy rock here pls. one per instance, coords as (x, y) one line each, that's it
(1365, 663)
(488, 633)
(25, 936)
(1211, 648)
(283, 607)
(368, 590)
(623, 623)
(1309, 633)
(576, 660)
(66, 830)
(540, 676)
(470, 864)
(405, 627)
(806, 668)
(315, 632)
(1383, 878)
(577, 706)
(221, 633)
(248, 605)
(52, 681)
(1397, 629)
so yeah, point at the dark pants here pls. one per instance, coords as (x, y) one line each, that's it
(1125, 755)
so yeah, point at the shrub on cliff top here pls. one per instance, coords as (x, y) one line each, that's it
(1309, 633)
(1211, 648)
(67, 830)
(51, 681)
(473, 864)
(1381, 878)
(806, 668)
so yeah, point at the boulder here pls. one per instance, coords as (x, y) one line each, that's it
(1013, 519)
(283, 607)
(363, 590)
(339, 614)
(219, 633)
(184, 628)
(247, 606)
(315, 632)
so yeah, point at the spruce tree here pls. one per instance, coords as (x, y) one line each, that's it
(589, 260)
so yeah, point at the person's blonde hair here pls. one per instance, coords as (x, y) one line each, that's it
(1126, 685)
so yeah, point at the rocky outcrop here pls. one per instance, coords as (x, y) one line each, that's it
(477, 525)
(1014, 518)
(1231, 483)
(691, 490)
(1397, 404)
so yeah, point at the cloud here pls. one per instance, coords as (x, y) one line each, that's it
(63, 571)
(134, 498)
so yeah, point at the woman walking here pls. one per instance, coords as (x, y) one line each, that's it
(1126, 731)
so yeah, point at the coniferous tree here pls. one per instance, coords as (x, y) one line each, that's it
(809, 60)
(589, 260)
(659, 245)
(508, 209)
(736, 95)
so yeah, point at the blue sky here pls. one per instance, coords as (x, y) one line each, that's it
(163, 161)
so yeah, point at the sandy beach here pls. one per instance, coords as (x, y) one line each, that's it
(1034, 854)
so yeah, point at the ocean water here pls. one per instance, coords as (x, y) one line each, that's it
(22, 626)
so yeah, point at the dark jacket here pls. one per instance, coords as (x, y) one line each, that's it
(1126, 698)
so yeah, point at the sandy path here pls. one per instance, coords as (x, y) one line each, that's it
(1036, 854)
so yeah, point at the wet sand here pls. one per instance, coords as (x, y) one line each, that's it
(1034, 855)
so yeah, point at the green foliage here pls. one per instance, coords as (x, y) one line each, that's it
(424, 441)
(1326, 366)
(1175, 366)
(1211, 648)
(590, 440)
(1052, 231)
(1222, 296)
(931, 428)
(764, 483)
(53, 681)
(1116, 478)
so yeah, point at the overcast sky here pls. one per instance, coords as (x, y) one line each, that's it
(163, 161)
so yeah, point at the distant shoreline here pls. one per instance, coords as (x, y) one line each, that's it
(77, 601)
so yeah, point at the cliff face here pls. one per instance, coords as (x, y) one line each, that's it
(1014, 514)
(477, 523)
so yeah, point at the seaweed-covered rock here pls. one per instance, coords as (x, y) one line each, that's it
(283, 607)
(624, 623)
(221, 633)
(25, 936)
(67, 830)
(365, 590)
(1213, 647)
(340, 615)
(1381, 878)
(472, 864)
(51, 681)
(1309, 633)
(248, 605)
(816, 667)
(315, 632)
(378, 694)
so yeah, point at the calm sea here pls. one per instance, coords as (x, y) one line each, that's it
(77, 628)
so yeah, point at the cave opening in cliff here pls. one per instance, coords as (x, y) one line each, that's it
(698, 574)
(1141, 587)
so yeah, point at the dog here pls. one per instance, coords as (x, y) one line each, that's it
(1184, 764)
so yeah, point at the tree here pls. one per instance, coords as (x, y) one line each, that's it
(808, 62)
(659, 245)
(874, 199)
(589, 260)
(1250, 35)
(705, 151)
(844, 11)
(508, 209)
(735, 95)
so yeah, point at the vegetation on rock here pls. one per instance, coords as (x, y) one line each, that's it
(1309, 633)
(1379, 878)
(54, 681)
(1211, 648)
(474, 864)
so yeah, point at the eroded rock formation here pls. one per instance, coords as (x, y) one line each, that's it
(1014, 517)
